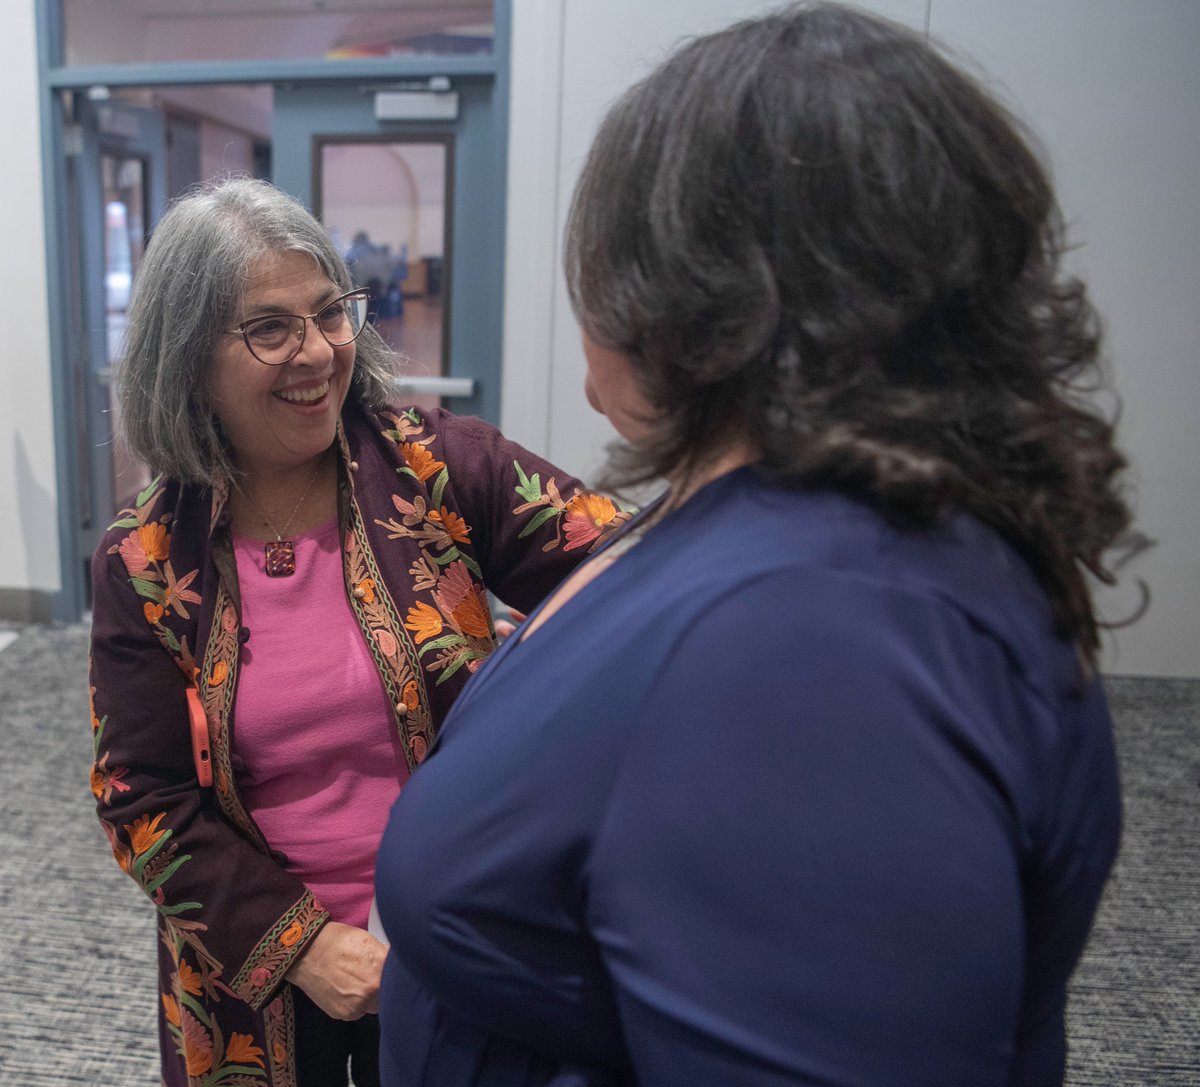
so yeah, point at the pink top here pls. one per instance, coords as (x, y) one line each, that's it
(318, 759)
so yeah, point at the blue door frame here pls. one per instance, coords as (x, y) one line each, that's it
(478, 260)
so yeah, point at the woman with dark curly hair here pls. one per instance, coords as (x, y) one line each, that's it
(824, 789)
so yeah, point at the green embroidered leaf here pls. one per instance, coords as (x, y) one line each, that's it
(412, 415)
(537, 520)
(444, 642)
(407, 471)
(182, 907)
(125, 522)
(530, 489)
(143, 860)
(453, 554)
(458, 663)
(440, 485)
(394, 435)
(144, 497)
(195, 1007)
(169, 637)
(148, 589)
(170, 870)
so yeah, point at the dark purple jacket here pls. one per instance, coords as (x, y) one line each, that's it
(433, 509)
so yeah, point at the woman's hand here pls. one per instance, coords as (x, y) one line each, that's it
(340, 971)
(504, 628)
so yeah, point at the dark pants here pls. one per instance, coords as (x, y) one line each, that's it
(326, 1047)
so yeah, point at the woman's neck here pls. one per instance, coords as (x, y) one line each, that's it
(687, 481)
(285, 501)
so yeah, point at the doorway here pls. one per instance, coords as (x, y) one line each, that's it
(130, 144)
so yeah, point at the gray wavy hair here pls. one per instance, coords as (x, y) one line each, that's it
(188, 291)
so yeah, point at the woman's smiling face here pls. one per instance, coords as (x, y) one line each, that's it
(280, 417)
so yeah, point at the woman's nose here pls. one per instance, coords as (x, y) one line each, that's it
(314, 347)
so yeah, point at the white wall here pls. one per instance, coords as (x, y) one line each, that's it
(1110, 86)
(28, 511)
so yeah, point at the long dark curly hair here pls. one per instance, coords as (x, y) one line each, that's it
(814, 231)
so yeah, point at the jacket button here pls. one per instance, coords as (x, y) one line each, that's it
(243, 635)
(354, 466)
(401, 709)
(359, 593)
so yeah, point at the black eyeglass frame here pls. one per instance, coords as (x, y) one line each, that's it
(240, 330)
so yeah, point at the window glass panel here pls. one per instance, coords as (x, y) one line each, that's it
(385, 205)
(123, 187)
(158, 31)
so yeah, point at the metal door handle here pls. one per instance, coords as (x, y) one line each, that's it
(436, 386)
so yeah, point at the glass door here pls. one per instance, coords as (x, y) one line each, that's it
(410, 183)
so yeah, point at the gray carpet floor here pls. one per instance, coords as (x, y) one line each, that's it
(77, 993)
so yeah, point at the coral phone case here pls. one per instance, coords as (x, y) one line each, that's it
(201, 755)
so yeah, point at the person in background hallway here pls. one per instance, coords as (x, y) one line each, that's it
(807, 777)
(303, 589)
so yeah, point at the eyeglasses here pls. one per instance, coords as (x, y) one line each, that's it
(278, 337)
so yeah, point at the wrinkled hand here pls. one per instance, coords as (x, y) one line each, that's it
(340, 971)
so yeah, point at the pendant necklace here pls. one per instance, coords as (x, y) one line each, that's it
(280, 553)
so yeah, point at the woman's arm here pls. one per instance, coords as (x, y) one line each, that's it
(237, 915)
(531, 522)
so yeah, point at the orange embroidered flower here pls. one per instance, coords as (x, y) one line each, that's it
(456, 528)
(155, 541)
(367, 586)
(189, 980)
(170, 1009)
(143, 833)
(291, 934)
(420, 460)
(424, 622)
(103, 780)
(460, 597)
(279, 1052)
(409, 697)
(584, 517)
(197, 1046)
(242, 1050)
(472, 617)
(152, 611)
(419, 748)
(220, 672)
(92, 708)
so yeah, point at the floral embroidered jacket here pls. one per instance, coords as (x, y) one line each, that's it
(432, 509)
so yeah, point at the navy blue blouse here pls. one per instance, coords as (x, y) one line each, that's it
(785, 796)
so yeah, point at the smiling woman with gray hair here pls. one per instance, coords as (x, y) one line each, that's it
(281, 621)
(825, 792)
